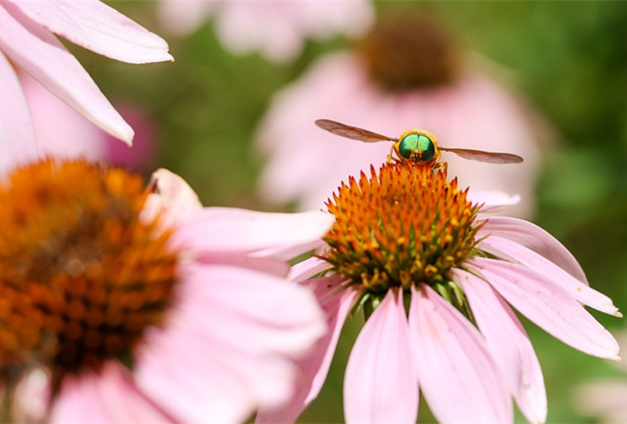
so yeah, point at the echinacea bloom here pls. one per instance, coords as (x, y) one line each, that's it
(408, 74)
(437, 282)
(28, 41)
(277, 29)
(120, 303)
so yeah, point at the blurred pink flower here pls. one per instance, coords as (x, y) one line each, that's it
(408, 237)
(224, 324)
(407, 76)
(63, 133)
(277, 29)
(28, 41)
(605, 398)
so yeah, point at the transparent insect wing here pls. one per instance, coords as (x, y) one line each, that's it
(482, 156)
(351, 132)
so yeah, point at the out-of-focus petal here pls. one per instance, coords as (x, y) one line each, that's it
(548, 305)
(182, 19)
(604, 400)
(99, 28)
(315, 367)
(78, 401)
(172, 196)
(31, 397)
(512, 251)
(492, 201)
(457, 376)
(536, 239)
(17, 138)
(380, 384)
(247, 328)
(307, 269)
(41, 55)
(238, 230)
(509, 344)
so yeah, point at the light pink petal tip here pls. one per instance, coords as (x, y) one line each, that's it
(279, 235)
(41, 55)
(315, 367)
(17, 137)
(549, 306)
(458, 378)
(509, 344)
(512, 251)
(534, 238)
(99, 28)
(380, 383)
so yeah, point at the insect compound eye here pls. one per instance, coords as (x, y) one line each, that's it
(418, 143)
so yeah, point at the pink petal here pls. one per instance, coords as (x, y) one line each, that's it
(512, 251)
(380, 383)
(40, 54)
(547, 305)
(99, 28)
(17, 136)
(239, 230)
(78, 401)
(457, 376)
(107, 397)
(237, 332)
(307, 269)
(31, 396)
(492, 201)
(172, 196)
(182, 19)
(509, 344)
(536, 239)
(315, 367)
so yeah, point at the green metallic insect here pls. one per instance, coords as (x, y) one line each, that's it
(415, 145)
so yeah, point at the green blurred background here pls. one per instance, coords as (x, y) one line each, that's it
(568, 58)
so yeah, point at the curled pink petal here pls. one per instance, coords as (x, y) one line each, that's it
(99, 28)
(17, 138)
(509, 344)
(547, 305)
(380, 383)
(315, 367)
(534, 238)
(238, 230)
(171, 195)
(492, 201)
(307, 269)
(41, 55)
(457, 376)
(510, 250)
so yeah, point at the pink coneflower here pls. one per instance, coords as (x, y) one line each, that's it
(436, 280)
(407, 74)
(125, 304)
(276, 29)
(28, 41)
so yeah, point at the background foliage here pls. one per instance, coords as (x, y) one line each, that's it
(568, 58)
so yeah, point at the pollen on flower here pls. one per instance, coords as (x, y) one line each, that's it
(81, 275)
(405, 225)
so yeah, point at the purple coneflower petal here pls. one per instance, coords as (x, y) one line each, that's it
(492, 201)
(17, 137)
(457, 375)
(315, 367)
(512, 251)
(510, 346)
(307, 269)
(172, 197)
(548, 305)
(266, 234)
(534, 238)
(99, 28)
(380, 383)
(41, 55)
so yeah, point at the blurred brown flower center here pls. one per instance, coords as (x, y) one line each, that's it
(81, 275)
